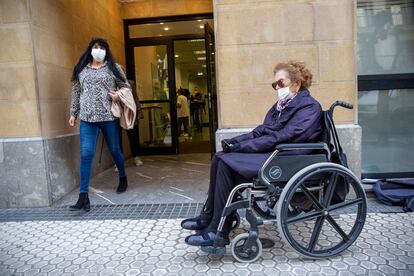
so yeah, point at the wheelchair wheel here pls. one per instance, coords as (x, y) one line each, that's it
(245, 255)
(330, 210)
(236, 221)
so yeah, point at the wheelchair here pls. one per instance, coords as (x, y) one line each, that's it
(317, 203)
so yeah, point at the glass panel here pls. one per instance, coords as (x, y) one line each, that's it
(385, 37)
(212, 93)
(386, 118)
(169, 28)
(155, 127)
(191, 76)
(151, 72)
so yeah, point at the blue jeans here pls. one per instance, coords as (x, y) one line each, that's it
(88, 137)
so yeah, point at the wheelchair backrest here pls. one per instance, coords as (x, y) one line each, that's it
(329, 136)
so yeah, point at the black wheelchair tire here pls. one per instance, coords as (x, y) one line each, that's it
(290, 189)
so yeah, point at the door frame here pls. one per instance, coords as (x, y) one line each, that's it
(130, 43)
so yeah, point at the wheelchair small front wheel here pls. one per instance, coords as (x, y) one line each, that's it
(245, 255)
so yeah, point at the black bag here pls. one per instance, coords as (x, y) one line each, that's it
(396, 192)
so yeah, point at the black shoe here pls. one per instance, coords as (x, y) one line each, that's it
(208, 238)
(82, 203)
(205, 238)
(123, 184)
(197, 223)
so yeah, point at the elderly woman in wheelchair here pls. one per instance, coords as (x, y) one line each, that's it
(301, 185)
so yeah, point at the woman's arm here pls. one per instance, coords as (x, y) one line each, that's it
(296, 130)
(75, 102)
(257, 131)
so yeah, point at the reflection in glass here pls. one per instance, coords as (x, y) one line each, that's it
(386, 118)
(151, 69)
(385, 37)
(155, 127)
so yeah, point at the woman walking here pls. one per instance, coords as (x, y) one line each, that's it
(95, 80)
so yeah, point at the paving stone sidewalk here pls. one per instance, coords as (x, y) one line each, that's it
(156, 247)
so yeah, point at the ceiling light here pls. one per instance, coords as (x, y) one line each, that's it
(204, 66)
(177, 56)
(200, 74)
(201, 52)
(166, 29)
(196, 40)
(201, 58)
(201, 26)
(161, 23)
(199, 20)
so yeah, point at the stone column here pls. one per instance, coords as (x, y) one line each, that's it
(253, 36)
(42, 41)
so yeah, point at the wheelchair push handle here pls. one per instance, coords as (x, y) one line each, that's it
(342, 104)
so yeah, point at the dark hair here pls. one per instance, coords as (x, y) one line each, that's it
(297, 72)
(86, 58)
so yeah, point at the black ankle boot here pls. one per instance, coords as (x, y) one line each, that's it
(82, 203)
(123, 184)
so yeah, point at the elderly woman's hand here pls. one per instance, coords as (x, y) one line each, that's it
(235, 147)
(230, 145)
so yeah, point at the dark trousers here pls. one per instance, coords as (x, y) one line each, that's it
(222, 180)
(198, 118)
(184, 121)
(133, 138)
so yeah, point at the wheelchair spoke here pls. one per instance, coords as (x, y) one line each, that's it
(337, 227)
(330, 190)
(304, 217)
(344, 204)
(315, 235)
(311, 197)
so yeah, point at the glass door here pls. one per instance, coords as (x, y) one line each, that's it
(165, 56)
(152, 64)
(211, 85)
(191, 82)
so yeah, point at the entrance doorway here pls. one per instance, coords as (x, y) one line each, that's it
(166, 57)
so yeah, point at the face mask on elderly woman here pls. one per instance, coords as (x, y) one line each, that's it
(285, 93)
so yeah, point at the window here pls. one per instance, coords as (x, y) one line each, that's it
(386, 86)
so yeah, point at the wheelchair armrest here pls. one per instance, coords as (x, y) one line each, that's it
(304, 146)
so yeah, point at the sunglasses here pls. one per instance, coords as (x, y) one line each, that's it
(278, 83)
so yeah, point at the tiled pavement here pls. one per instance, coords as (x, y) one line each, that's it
(138, 236)
(156, 247)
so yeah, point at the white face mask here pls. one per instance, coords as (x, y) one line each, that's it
(98, 54)
(284, 93)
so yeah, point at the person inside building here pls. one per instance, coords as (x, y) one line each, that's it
(183, 112)
(295, 118)
(95, 80)
(197, 103)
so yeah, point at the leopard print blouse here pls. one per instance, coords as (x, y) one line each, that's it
(90, 97)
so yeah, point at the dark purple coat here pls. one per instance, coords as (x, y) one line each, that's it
(299, 122)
